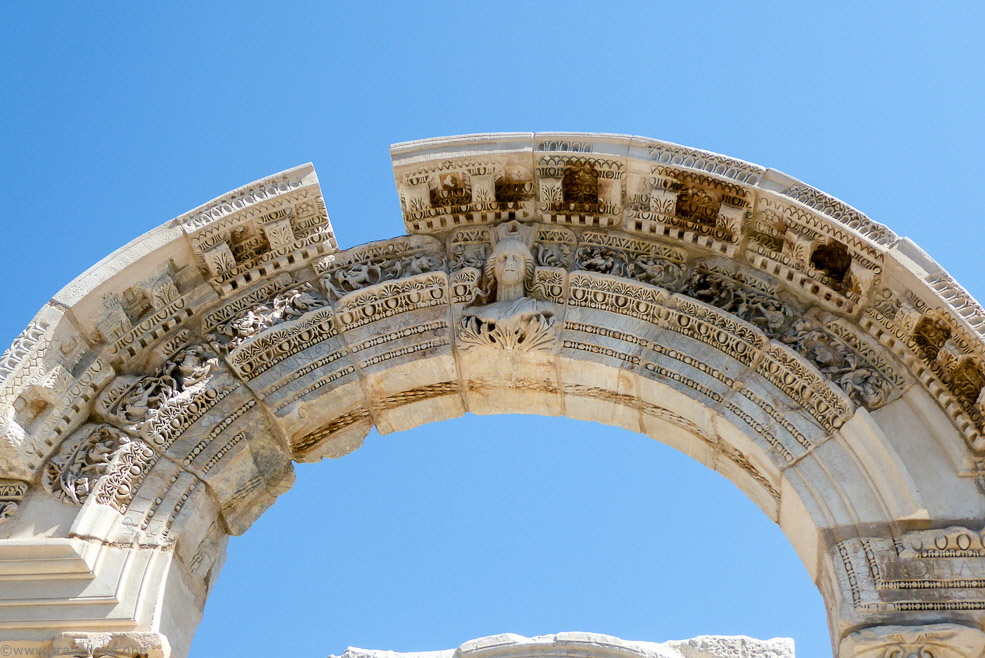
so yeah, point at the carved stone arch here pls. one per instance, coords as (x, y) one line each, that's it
(826, 366)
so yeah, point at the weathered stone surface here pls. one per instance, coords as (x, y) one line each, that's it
(594, 645)
(827, 367)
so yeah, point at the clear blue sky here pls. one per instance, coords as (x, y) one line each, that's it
(116, 117)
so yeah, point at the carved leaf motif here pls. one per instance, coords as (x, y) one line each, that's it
(600, 259)
(519, 333)
(755, 306)
(278, 308)
(134, 403)
(356, 276)
(72, 474)
(657, 271)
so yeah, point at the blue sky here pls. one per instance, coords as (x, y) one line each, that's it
(117, 117)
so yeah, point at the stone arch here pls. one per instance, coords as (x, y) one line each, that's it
(829, 368)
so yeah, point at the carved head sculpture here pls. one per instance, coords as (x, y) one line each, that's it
(511, 265)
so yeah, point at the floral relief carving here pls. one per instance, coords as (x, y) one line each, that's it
(602, 260)
(282, 307)
(468, 255)
(748, 302)
(865, 385)
(73, 473)
(134, 402)
(657, 271)
(361, 275)
(11, 494)
(928, 641)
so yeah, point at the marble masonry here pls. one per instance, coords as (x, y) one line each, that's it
(828, 367)
(593, 645)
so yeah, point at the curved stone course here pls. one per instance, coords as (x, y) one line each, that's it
(594, 645)
(830, 369)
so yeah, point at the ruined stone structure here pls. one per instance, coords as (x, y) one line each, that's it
(830, 369)
(594, 645)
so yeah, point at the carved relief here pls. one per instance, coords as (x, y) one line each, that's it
(930, 571)
(923, 641)
(131, 403)
(668, 197)
(468, 247)
(11, 494)
(864, 384)
(953, 542)
(554, 247)
(47, 379)
(15, 356)
(940, 343)
(110, 645)
(271, 229)
(98, 459)
(742, 296)
(453, 192)
(712, 163)
(615, 295)
(281, 307)
(375, 263)
(579, 186)
(959, 300)
(840, 212)
(514, 321)
(623, 255)
(827, 261)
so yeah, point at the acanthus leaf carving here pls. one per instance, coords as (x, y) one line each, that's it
(369, 265)
(514, 321)
(736, 295)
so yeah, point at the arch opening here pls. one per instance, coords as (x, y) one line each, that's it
(826, 366)
(482, 525)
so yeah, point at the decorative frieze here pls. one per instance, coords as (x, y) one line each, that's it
(11, 494)
(258, 232)
(368, 265)
(439, 196)
(100, 460)
(513, 321)
(393, 298)
(284, 306)
(580, 190)
(840, 212)
(917, 641)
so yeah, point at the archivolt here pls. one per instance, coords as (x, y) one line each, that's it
(829, 368)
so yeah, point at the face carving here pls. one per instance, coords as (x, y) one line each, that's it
(510, 266)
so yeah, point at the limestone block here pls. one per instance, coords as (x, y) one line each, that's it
(111, 645)
(473, 179)
(596, 645)
(601, 394)
(938, 640)
(48, 377)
